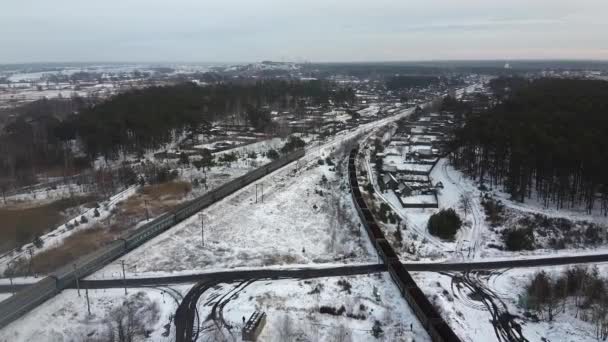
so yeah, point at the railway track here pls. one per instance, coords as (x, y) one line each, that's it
(36, 294)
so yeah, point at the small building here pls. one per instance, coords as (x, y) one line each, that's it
(404, 189)
(389, 181)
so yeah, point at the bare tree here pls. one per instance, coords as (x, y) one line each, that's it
(128, 322)
(465, 204)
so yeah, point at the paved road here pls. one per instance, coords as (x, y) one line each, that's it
(12, 288)
(502, 264)
(231, 276)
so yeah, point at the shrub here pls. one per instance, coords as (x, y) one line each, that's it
(272, 154)
(398, 237)
(517, 239)
(38, 242)
(321, 162)
(444, 224)
(377, 331)
(323, 180)
(184, 159)
(83, 219)
(346, 286)
(330, 310)
(292, 144)
(384, 211)
(228, 158)
(96, 213)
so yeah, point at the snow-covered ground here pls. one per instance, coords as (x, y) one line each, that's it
(257, 147)
(402, 166)
(39, 195)
(65, 318)
(56, 236)
(292, 308)
(306, 218)
(469, 313)
(296, 223)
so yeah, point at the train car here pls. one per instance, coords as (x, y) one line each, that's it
(442, 332)
(386, 252)
(27, 299)
(143, 234)
(401, 277)
(34, 295)
(437, 328)
(66, 275)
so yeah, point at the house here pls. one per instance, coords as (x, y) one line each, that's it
(389, 181)
(404, 190)
(425, 152)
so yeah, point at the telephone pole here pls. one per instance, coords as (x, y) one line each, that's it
(77, 281)
(147, 212)
(124, 278)
(202, 228)
(31, 252)
(86, 293)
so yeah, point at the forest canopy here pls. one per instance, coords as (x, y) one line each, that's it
(145, 119)
(546, 139)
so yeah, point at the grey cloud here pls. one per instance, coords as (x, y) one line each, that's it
(318, 30)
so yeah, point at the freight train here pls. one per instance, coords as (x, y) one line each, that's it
(34, 295)
(434, 324)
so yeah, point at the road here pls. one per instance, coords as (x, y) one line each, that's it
(302, 273)
(231, 276)
(504, 264)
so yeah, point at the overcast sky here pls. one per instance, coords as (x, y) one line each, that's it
(299, 30)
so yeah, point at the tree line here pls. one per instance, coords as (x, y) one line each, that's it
(585, 290)
(544, 139)
(412, 81)
(146, 119)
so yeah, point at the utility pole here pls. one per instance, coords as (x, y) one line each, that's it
(147, 212)
(77, 281)
(10, 278)
(86, 292)
(262, 192)
(202, 228)
(31, 252)
(256, 193)
(124, 278)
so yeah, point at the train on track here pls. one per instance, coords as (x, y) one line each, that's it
(434, 324)
(34, 295)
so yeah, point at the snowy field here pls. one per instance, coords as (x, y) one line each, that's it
(56, 236)
(292, 308)
(306, 218)
(470, 312)
(295, 224)
(64, 318)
